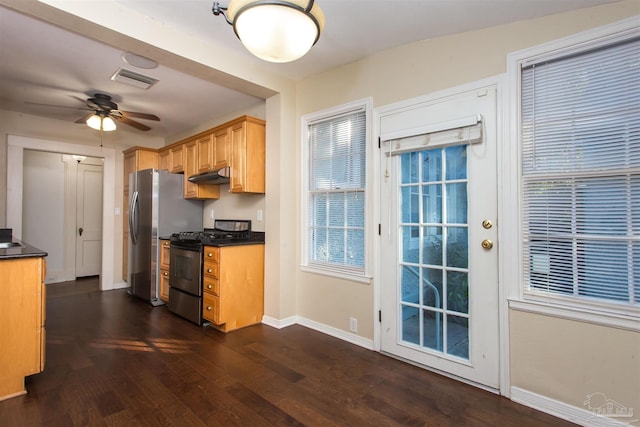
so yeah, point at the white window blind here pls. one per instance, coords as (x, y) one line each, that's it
(336, 197)
(580, 129)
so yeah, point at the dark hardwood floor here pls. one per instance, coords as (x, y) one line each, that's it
(114, 360)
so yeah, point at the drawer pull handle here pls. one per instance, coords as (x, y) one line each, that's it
(208, 308)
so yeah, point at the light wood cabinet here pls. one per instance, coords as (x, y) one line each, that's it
(135, 159)
(176, 163)
(222, 148)
(164, 159)
(170, 158)
(165, 256)
(233, 285)
(247, 155)
(191, 190)
(205, 153)
(22, 323)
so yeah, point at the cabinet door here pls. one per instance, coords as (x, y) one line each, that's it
(164, 160)
(238, 158)
(190, 167)
(164, 284)
(165, 248)
(177, 159)
(205, 153)
(222, 148)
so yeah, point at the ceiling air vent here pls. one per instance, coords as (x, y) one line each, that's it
(132, 78)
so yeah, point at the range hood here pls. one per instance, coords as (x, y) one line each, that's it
(220, 176)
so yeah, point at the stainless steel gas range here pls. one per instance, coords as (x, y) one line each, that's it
(186, 263)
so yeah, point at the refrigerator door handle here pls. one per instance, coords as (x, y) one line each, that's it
(133, 218)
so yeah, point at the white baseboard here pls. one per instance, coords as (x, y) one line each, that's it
(565, 411)
(320, 327)
(279, 323)
(120, 285)
(338, 333)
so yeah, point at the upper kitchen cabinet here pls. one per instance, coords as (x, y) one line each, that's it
(247, 155)
(239, 144)
(191, 190)
(205, 152)
(170, 158)
(222, 148)
(137, 159)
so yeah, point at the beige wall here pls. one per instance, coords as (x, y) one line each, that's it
(428, 66)
(568, 360)
(406, 72)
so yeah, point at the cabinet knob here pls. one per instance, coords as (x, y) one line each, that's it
(208, 308)
(166, 243)
(209, 254)
(209, 270)
(209, 286)
(165, 273)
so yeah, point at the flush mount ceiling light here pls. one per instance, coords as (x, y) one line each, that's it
(276, 31)
(100, 122)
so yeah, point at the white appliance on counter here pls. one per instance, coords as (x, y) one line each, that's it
(157, 207)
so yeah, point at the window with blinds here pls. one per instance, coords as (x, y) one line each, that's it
(336, 193)
(580, 135)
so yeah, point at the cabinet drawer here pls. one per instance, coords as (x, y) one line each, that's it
(212, 270)
(211, 308)
(211, 254)
(211, 286)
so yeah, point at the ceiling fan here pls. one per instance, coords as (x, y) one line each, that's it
(102, 106)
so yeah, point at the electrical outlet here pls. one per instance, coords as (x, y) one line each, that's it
(210, 213)
(259, 215)
(353, 324)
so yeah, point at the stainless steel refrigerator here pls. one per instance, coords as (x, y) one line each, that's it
(157, 209)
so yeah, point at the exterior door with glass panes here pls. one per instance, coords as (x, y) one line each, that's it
(439, 271)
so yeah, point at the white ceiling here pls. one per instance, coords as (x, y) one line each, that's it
(44, 64)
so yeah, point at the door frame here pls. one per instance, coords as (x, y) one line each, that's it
(502, 100)
(15, 147)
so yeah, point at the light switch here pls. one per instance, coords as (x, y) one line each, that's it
(259, 214)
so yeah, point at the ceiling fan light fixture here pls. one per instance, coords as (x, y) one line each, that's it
(275, 31)
(99, 122)
(108, 124)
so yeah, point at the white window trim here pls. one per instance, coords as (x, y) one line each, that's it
(584, 311)
(306, 266)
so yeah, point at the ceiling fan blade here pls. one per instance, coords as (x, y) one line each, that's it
(85, 118)
(140, 115)
(133, 123)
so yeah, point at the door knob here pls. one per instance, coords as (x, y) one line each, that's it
(80, 230)
(487, 244)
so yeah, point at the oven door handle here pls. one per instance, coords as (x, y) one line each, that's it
(133, 217)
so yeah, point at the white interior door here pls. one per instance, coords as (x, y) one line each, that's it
(89, 220)
(439, 249)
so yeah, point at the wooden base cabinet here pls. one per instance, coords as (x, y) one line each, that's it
(165, 248)
(233, 285)
(22, 323)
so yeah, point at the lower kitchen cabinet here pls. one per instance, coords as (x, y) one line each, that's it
(22, 323)
(233, 285)
(165, 248)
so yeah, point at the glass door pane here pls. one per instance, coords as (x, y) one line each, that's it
(434, 301)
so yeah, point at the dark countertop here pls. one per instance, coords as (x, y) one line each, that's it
(25, 250)
(257, 238)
